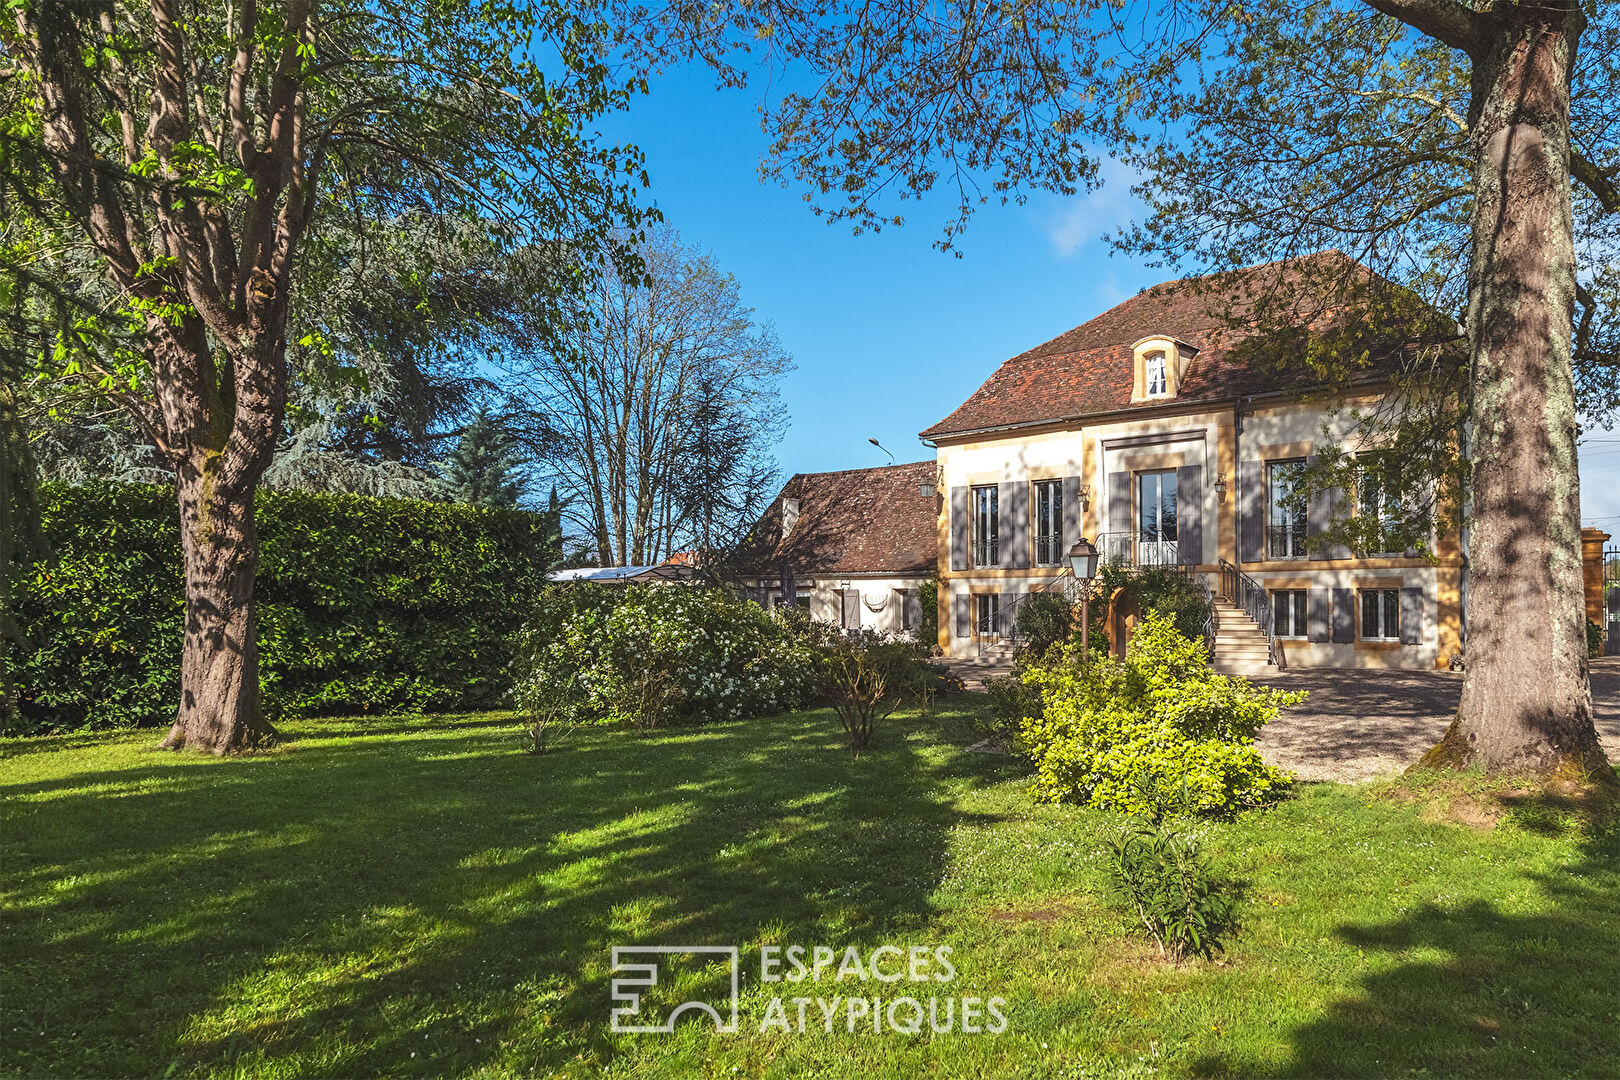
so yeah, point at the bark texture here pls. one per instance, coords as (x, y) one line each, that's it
(220, 708)
(1526, 703)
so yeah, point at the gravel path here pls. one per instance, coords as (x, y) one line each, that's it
(1357, 725)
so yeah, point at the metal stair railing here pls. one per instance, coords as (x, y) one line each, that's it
(1061, 583)
(1212, 624)
(1246, 593)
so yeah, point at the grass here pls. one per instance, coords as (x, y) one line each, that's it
(419, 898)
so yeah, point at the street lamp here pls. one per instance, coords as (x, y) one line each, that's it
(1083, 561)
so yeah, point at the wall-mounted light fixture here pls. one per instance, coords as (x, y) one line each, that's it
(1085, 500)
(927, 488)
(1220, 487)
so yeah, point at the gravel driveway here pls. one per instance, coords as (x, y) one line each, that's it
(1357, 725)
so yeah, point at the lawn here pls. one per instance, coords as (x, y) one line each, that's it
(417, 897)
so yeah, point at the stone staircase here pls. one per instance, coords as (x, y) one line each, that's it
(1240, 645)
(973, 670)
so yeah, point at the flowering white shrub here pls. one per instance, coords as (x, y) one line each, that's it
(655, 654)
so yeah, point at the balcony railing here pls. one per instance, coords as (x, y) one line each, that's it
(1128, 549)
(1049, 550)
(1286, 541)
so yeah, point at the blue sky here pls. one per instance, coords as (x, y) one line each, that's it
(889, 334)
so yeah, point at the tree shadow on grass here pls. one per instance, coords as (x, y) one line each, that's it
(1520, 986)
(340, 909)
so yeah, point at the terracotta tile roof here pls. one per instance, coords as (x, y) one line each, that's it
(1090, 369)
(858, 521)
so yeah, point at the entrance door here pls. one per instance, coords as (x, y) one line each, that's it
(1156, 518)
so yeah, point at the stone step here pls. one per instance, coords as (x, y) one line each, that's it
(1243, 667)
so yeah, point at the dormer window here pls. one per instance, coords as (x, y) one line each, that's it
(1158, 382)
(1161, 366)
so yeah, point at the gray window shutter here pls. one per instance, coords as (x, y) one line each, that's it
(852, 609)
(1012, 507)
(1251, 511)
(964, 615)
(1411, 616)
(1344, 616)
(1190, 514)
(1319, 514)
(1071, 512)
(913, 601)
(1316, 615)
(1119, 503)
(961, 528)
(1318, 517)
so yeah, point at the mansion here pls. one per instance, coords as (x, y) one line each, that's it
(1147, 432)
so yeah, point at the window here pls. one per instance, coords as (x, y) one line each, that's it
(1288, 613)
(802, 600)
(1156, 518)
(904, 596)
(1285, 511)
(985, 526)
(1155, 376)
(1383, 507)
(1049, 523)
(989, 605)
(1381, 614)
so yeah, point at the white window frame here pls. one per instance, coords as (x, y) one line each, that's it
(1049, 521)
(1372, 502)
(1386, 614)
(1298, 603)
(986, 526)
(986, 612)
(1156, 374)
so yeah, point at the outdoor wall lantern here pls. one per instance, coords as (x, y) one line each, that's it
(1220, 487)
(927, 488)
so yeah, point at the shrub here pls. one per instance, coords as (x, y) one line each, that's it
(1161, 875)
(1106, 725)
(1160, 589)
(651, 654)
(365, 605)
(928, 618)
(1594, 639)
(865, 676)
(1044, 620)
(547, 709)
(1012, 701)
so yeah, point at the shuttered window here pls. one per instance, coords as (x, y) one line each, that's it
(1049, 523)
(989, 605)
(1380, 614)
(986, 526)
(1286, 512)
(1288, 613)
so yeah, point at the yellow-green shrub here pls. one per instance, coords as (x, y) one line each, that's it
(1160, 716)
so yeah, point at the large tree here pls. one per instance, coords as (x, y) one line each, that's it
(655, 411)
(191, 150)
(1436, 141)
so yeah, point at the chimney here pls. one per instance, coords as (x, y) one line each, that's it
(790, 516)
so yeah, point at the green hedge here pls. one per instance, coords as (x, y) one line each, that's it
(365, 605)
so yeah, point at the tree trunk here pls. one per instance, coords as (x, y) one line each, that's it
(1526, 703)
(220, 710)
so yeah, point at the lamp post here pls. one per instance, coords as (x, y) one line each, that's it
(1083, 561)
